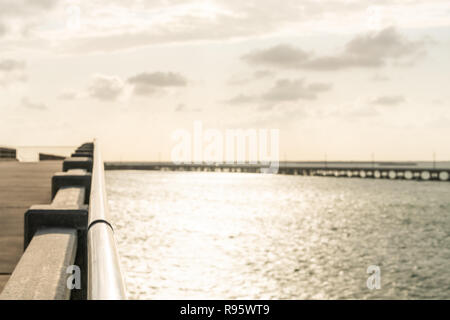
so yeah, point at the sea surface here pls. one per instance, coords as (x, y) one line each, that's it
(207, 235)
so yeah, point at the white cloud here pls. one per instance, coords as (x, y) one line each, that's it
(69, 95)
(260, 74)
(148, 83)
(111, 87)
(3, 29)
(9, 65)
(293, 90)
(243, 99)
(180, 107)
(33, 105)
(20, 8)
(284, 90)
(12, 71)
(379, 78)
(388, 100)
(19, 16)
(106, 88)
(111, 25)
(240, 79)
(282, 56)
(368, 50)
(159, 79)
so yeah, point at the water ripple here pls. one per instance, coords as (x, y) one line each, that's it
(186, 235)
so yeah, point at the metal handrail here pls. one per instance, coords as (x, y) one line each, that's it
(105, 281)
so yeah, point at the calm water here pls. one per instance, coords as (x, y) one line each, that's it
(238, 235)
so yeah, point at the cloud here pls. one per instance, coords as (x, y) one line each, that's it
(144, 90)
(12, 71)
(105, 88)
(379, 78)
(155, 22)
(68, 95)
(22, 7)
(159, 79)
(293, 90)
(32, 105)
(238, 79)
(243, 99)
(111, 88)
(180, 107)
(365, 108)
(437, 101)
(19, 16)
(260, 74)
(369, 50)
(282, 56)
(25, 8)
(388, 100)
(3, 29)
(9, 65)
(109, 25)
(148, 83)
(319, 87)
(284, 90)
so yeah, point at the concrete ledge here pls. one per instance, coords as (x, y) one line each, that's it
(72, 178)
(81, 154)
(41, 272)
(84, 150)
(46, 157)
(66, 211)
(86, 147)
(69, 197)
(78, 163)
(46, 216)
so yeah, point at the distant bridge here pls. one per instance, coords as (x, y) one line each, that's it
(434, 171)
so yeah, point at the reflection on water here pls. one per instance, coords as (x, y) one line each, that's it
(186, 235)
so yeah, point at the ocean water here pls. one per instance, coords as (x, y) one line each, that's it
(205, 235)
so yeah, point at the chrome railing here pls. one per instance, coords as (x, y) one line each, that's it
(105, 281)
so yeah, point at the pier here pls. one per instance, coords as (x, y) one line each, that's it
(56, 236)
(420, 171)
(21, 186)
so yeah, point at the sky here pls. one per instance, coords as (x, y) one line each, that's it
(343, 80)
